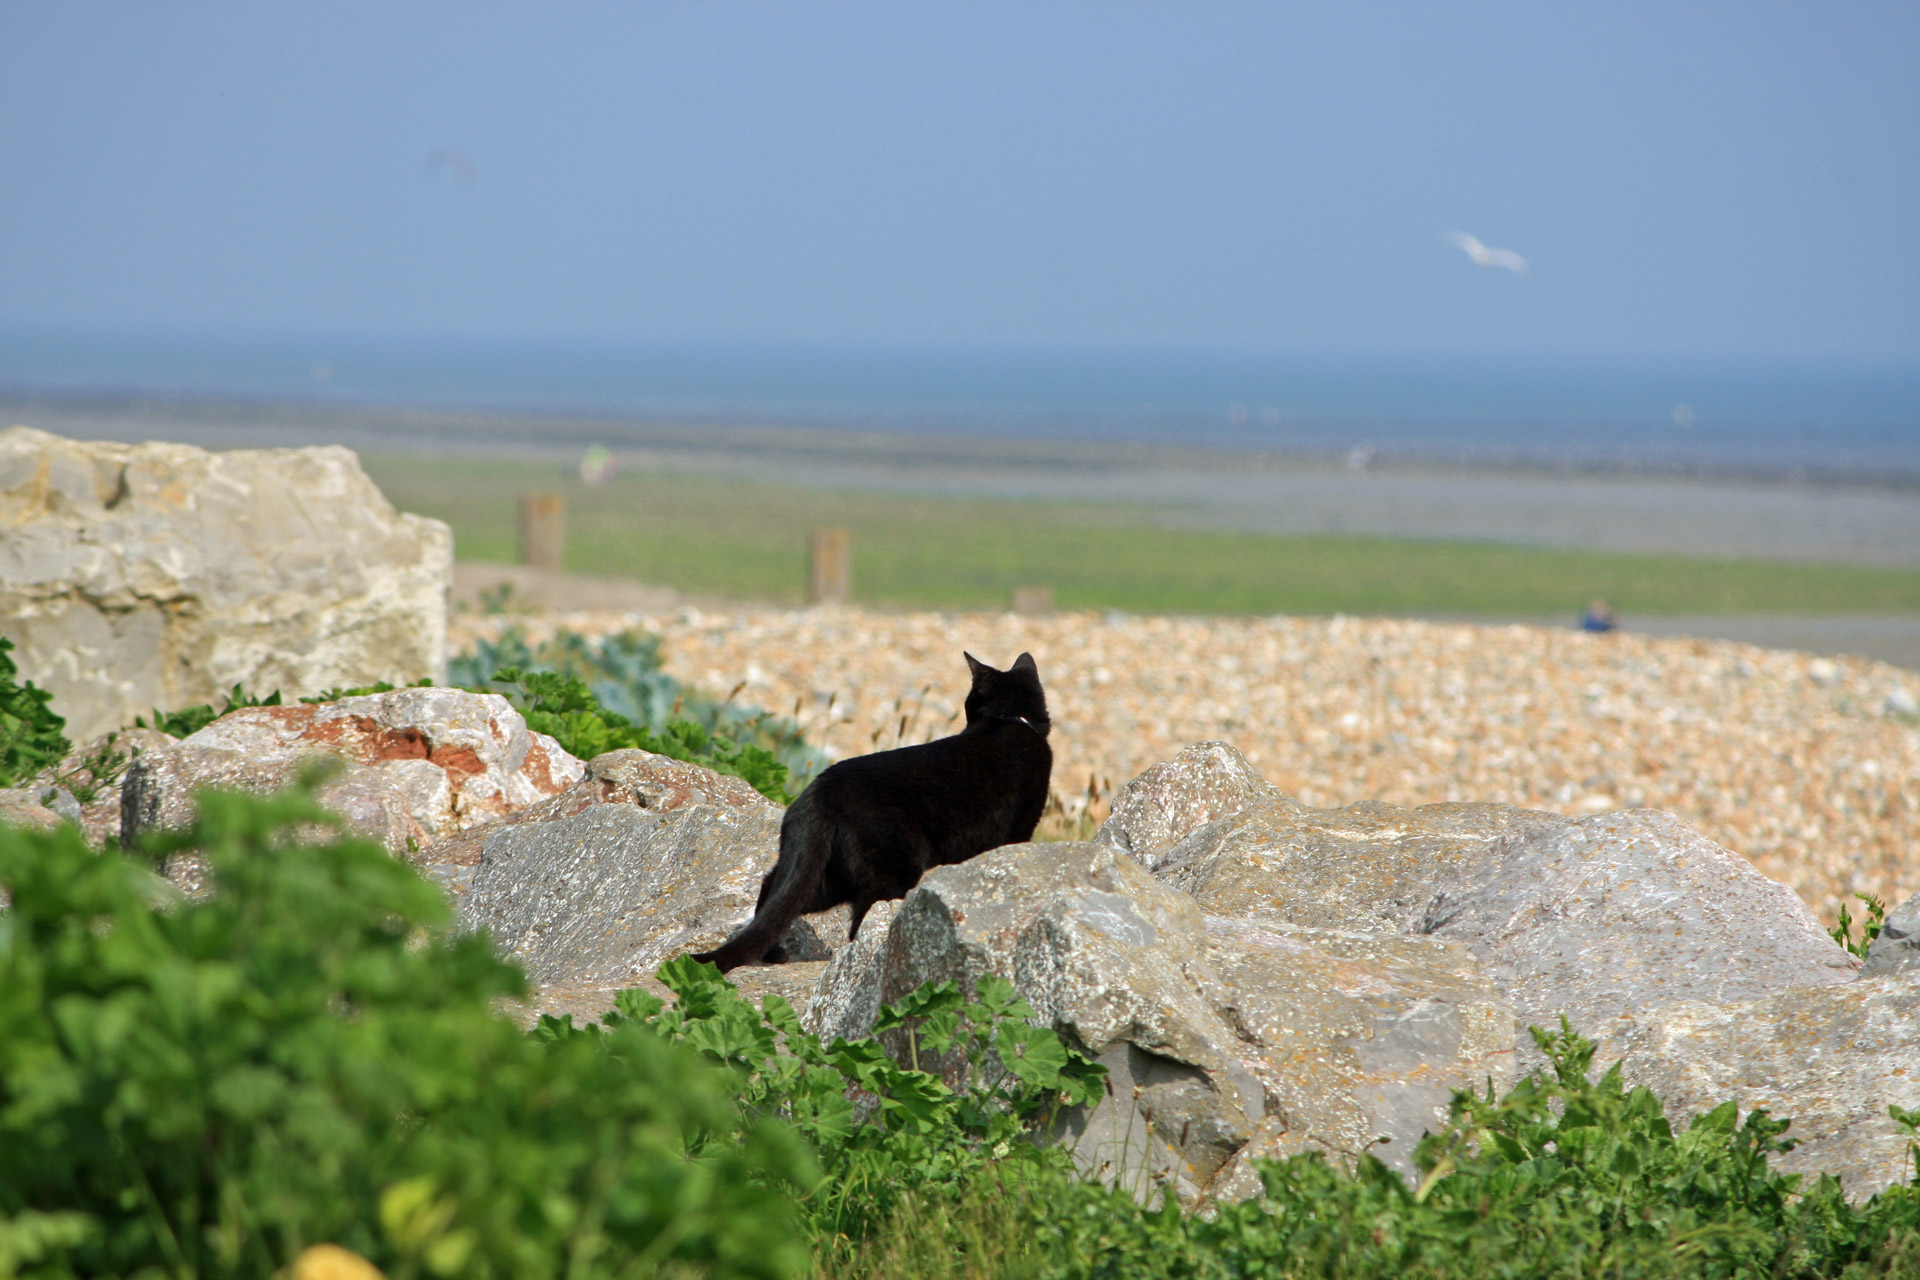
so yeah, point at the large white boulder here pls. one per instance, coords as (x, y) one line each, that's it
(136, 576)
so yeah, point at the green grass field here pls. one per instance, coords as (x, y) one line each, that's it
(733, 538)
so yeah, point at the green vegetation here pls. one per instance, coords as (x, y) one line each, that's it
(593, 697)
(1876, 920)
(32, 734)
(205, 1089)
(748, 541)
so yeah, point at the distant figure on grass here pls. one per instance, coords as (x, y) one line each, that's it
(1599, 617)
(868, 828)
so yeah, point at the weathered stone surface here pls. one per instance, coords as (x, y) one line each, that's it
(99, 816)
(420, 763)
(1224, 1039)
(1371, 867)
(1161, 807)
(135, 576)
(1831, 1058)
(1363, 1039)
(1626, 911)
(604, 896)
(1897, 949)
(26, 807)
(630, 777)
(1589, 918)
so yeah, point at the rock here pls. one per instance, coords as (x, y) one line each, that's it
(1158, 809)
(1830, 1058)
(26, 807)
(1590, 917)
(1897, 949)
(94, 770)
(136, 576)
(629, 777)
(1223, 1039)
(1626, 911)
(420, 764)
(1901, 703)
(1370, 867)
(605, 895)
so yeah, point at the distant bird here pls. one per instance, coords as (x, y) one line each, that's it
(450, 160)
(1485, 257)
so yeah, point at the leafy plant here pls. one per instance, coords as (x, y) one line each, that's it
(206, 1089)
(190, 720)
(32, 734)
(624, 676)
(94, 770)
(1869, 928)
(978, 1081)
(563, 707)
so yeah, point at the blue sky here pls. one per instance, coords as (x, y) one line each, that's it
(1736, 180)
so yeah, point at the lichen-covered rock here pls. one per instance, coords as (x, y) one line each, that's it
(1897, 949)
(603, 896)
(1221, 1038)
(1831, 1058)
(419, 764)
(1161, 807)
(136, 576)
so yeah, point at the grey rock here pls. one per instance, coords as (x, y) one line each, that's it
(1830, 1058)
(26, 807)
(1221, 1037)
(1897, 949)
(99, 814)
(1371, 867)
(1589, 918)
(136, 576)
(603, 896)
(1626, 911)
(1161, 807)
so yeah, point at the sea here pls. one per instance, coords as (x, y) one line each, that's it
(1700, 415)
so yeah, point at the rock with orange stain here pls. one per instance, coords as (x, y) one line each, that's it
(419, 764)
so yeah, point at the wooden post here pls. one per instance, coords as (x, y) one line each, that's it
(543, 530)
(830, 567)
(1033, 600)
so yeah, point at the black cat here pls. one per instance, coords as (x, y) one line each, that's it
(869, 827)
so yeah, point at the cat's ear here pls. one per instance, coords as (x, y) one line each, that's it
(1024, 665)
(977, 667)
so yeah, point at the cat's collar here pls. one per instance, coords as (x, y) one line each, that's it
(1022, 720)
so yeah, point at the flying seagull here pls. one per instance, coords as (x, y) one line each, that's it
(1485, 257)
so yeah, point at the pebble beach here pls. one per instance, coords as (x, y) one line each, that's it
(1807, 766)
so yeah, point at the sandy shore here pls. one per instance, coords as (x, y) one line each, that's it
(1804, 765)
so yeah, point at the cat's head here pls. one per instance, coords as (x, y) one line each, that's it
(1013, 694)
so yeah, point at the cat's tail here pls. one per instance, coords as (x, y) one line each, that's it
(790, 891)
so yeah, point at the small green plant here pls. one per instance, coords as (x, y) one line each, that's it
(98, 767)
(32, 734)
(190, 720)
(563, 707)
(623, 675)
(1876, 920)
